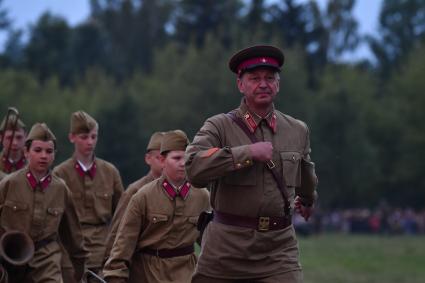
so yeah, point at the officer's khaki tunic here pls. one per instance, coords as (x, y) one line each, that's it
(220, 156)
(155, 220)
(7, 167)
(44, 214)
(122, 205)
(95, 199)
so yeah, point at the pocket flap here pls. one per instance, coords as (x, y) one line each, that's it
(156, 218)
(104, 195)
(14, 205)
(55, 211)
(291, 156)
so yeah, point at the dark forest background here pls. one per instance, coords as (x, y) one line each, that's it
(140, 66)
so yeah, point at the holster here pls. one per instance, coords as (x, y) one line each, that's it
(204, 218)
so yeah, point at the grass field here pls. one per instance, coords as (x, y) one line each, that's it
(337, 258)
(363, 259)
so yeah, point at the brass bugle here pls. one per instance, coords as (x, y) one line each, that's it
(16, 248)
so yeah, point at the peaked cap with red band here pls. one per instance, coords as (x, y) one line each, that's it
(256, 56)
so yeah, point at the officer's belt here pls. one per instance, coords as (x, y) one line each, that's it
(167, 253)
(44, 242)
(262, 223)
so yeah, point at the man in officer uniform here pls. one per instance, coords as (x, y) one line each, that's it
(155, 241)
(96, 188)
(39, 204)
(12, 134)
(153, 159)
(256, 160)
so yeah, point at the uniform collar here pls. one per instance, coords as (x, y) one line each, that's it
(91, 172)
(42, 184)
(253, 120)
(172, 192)
(9, 166)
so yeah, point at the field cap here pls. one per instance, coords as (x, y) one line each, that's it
(11, 123)
(40, 131)
(174, 140)
(82, 123)
(155, 141)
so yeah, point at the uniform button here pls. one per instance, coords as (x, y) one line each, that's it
(293, 157)
(105, 195)
(238, 165)
(248, 161)
(15, 208)
(154, 219)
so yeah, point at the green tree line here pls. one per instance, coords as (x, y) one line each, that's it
(140, 66)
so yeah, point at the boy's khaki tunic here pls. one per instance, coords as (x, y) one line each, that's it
(155, 220)
(220, 156)
(48, 216)
(95, 199)
(132, 189)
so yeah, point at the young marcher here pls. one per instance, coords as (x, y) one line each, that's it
(12, 134)
(35, 202)
(96, 188)
(153, 160)
(159, 224)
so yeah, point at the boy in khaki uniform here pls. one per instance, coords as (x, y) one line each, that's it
(257, 162)
(159, 224)
(12, 135)
(153, 159)
(39, 204)
(96, 187)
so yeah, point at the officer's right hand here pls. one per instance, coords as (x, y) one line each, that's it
(261, 151)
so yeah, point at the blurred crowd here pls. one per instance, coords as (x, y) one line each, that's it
(381, 220)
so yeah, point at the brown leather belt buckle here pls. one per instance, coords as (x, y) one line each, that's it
(270, 164)
(263, 223)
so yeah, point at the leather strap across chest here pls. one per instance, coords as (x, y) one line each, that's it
(280, 180)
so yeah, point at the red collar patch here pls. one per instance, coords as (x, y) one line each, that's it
(34, 183)
(171, 192)
(252, 125)
(9, 166)
(91, 172)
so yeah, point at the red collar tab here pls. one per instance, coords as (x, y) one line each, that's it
(9, 166)
(91, 172)
(171, 192)
(34, 183)
(250, 122)
(257, 61)
(252, 125)
(184, 191)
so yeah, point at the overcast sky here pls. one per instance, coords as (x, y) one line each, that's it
(26, 12)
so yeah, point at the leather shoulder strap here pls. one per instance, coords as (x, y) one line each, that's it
(280, 180)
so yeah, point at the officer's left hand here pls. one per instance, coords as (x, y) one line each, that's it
(305, 211)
